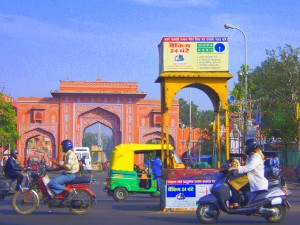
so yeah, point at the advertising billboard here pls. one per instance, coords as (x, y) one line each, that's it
(184, 194)
(193, 54)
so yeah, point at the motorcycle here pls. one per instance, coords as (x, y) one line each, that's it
(8, 185)
(272, 173)
(271, 204)
(79, 202)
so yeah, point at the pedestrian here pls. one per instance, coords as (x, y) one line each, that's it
(27, 161)
(82, 164)
(148, 164)
(1, 166)
(157, 168)
(43, 161)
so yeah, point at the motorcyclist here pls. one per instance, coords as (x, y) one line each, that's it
(274, 163)
(254, 169)
(12, 170)
(82, 164)
(70, 167)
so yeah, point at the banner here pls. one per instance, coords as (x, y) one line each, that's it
(183, 194)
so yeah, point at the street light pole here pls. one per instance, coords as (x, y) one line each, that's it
(182, 125)
(229, 26)
(9, 138)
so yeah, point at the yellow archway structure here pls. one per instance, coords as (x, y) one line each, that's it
(214, 84)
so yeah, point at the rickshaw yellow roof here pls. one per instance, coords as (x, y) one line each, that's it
(122, 156)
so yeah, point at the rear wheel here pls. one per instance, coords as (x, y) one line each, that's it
(207, 213)
(280, 212)
(85, 202)
(120, 194)
(24, 202)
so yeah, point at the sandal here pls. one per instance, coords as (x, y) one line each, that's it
(234, 206)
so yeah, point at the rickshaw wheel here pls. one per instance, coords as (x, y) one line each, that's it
(120, 194)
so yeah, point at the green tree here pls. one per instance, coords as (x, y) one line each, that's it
(108, 144)
(275, 87)
(8, 124)
(89, 139)
(201, 119)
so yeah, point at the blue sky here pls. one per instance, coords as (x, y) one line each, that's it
(43, 42)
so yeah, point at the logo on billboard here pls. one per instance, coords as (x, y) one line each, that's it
(179, 58)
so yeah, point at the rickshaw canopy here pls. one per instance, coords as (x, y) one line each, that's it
(122, 156)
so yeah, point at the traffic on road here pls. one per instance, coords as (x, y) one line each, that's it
(138, 209)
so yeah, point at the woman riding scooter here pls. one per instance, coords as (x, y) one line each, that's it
(254, 169)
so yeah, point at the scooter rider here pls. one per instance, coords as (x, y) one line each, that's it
(12, 169)
(255, 171)
(70, 167)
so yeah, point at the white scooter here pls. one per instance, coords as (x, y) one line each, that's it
(271, 204)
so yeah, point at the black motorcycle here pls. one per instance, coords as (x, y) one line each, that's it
(8, 186)
(271, 204)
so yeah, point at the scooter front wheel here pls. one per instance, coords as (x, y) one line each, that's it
(25, 202)
(278, 216)
(207, 213)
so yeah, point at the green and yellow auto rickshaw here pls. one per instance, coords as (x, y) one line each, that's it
(127, 177)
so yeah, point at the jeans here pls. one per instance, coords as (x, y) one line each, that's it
(57, 183)
(158, 181)
(16, 175)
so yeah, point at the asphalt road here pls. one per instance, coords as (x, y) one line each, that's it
(138, 209)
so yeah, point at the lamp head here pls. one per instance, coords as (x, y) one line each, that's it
(229, 26)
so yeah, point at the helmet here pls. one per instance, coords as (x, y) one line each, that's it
(66, 145)
(251, 145)
(14, 153)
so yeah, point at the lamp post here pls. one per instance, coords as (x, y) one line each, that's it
(200, 147)
(2, 139)
(229, 26)
(182, 125)
(9, 138)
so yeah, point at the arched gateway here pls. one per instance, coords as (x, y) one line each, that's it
(80, 104)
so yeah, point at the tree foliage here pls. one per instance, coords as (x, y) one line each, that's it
(199, 118)
(89, 139)
(8, 123)
(275, 87)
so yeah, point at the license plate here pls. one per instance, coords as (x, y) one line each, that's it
(286, 190)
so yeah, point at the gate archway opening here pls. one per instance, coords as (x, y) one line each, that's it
(39, 143)
(214, 84)
(99, 138)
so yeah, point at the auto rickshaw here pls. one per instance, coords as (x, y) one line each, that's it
(126, 177)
